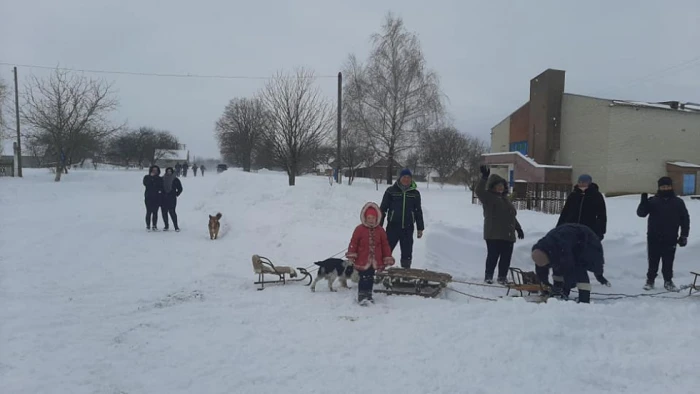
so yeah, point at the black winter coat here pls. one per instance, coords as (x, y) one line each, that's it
(170, 199)
(666, 216)
(587, 208)
(154, 187)
(571, 246)
(402, 208)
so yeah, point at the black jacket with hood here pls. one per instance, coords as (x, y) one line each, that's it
(587, 208)
(570, 247)
(170, 198)
(154, 186)
(402, 207)
(667, 214)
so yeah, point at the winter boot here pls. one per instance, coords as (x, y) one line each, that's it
(405, 263)
(502, 281)
(364, 298)
(584, 296)
(670, 286)
(488, 281)
(649, 285)
(177, 229)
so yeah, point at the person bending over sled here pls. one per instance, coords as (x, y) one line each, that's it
(571, 250)
(667, 214)
(369, 251)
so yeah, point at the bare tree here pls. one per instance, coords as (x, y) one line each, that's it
(444, 149)
(353, 150)
(471, 160)
(300, 119)
(240, 130)
(4, 94)
(65, 111)
(394, 96)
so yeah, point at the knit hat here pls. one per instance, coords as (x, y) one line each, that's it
(371, 211)
(665, 181)
(405, 172)
(540, 258)
(585, 178)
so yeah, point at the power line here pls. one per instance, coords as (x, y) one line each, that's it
(162, 75)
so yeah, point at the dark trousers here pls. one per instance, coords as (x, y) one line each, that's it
(152, 212)
(660, 251)
(366, 283)
(578, 277)
(169, 208)
(499, 252)
(395, 234)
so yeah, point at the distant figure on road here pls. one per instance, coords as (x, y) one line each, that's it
(194, 169)
(201, 169)
(178, 169)
(153, 196)
(185, 167)
(172, 188)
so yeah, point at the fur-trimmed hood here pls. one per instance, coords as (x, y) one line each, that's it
(363, 213)
(151, 169)
(494, 180)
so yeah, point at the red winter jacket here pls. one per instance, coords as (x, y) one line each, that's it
(369, 246)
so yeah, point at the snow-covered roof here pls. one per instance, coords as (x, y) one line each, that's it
(681, 107)
(529, 160)
(172, 154)
(683, 164)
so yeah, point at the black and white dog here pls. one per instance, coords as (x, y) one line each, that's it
(332, 269)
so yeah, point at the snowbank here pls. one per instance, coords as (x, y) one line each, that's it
(93, 303)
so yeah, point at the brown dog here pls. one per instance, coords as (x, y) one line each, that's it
(214, 226)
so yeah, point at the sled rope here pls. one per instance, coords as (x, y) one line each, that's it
(477, 284)
(471, 295)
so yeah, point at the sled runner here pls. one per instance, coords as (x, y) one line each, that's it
(694, 286)
(263, 266)
(524, 282)
(408, 281)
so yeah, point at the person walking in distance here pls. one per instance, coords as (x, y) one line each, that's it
(201, 169)
(153, 196)
(185, 167)
(500, 224)
(401, 208)
(586, 205)
(667, 214)
(194, 169)
(178, 169)
(172, 188)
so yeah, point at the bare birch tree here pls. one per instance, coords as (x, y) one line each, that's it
(66, 111)
(443, 150)
(394, 96)
(300, 119)
(241, 128)
(4, 93)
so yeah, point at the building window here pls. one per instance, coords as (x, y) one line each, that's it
(520, 146)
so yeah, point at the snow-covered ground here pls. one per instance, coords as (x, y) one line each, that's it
(92, 303)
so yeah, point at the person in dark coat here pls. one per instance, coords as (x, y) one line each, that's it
(172, 188)
(667, 214)
(401, 208)
(178, 169)
(194, 169)
(571, 251)
(185, 167)
(201, 169)
(153, 196)
(586, 205)
(500, 224)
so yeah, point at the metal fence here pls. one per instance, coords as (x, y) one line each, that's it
(7, 168)
(541, 197)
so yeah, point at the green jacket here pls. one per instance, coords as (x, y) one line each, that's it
(499, 213)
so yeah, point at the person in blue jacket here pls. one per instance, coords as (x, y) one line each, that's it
(571, 251)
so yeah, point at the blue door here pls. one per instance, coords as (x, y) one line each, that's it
(688, 184)
(511, 180)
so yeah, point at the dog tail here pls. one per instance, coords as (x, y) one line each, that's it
(218, 215)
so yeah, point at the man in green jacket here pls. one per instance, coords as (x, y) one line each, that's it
(500, 224)
(401, 207)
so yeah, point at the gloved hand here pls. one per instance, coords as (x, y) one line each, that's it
(601, 279)
(420, 234)
(682, 241)
(485, 172)
(645, 197)
(521, 234)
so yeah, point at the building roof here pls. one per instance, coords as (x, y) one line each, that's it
(666, 105)
(528, 158)
(683, 164)
(172, 154)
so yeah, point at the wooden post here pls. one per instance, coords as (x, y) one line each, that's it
(19, 141)
(338, 164)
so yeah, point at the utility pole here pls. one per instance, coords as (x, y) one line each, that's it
(19, 141)
(338, 164)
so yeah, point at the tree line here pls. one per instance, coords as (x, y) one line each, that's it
(392, 109)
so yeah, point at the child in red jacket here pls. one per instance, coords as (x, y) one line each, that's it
(369, 251)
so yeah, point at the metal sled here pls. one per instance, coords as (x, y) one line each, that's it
(694, 286)
(263, 266)
(408, 281)
(524, 282)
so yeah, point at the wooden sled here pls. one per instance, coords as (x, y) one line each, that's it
(408, 281)
(524, 282)
(695, 286)
(263, 266)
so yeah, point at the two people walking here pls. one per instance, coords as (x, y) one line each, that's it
(161, 192)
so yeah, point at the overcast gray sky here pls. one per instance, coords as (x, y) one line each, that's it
(484, 51)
